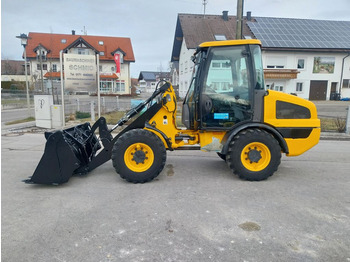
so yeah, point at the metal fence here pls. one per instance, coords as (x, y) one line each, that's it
(75, 105)
(16, 99)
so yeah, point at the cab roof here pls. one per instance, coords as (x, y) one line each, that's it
(230, 43)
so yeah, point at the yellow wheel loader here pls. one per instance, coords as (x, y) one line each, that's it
(226, 110)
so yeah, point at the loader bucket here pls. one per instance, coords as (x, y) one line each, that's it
(65, 151)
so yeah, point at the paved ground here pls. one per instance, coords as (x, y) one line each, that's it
(196, 210)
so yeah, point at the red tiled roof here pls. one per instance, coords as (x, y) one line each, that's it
(53, 42)
(112, 76)
(53, 75)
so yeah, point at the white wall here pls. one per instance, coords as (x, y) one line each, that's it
(345, 92)
(306, 75)
(185, 68)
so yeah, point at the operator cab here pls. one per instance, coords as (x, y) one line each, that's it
(221, 93)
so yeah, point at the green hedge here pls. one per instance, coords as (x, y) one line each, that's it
(82, 115)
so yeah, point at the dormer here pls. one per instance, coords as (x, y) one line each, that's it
(41, 52)
(81, 47)
(121, 52)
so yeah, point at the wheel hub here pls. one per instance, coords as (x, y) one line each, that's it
(139, 156)
(254, 155)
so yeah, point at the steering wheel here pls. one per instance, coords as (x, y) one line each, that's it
(206, 104)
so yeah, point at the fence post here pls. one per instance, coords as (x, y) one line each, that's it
(347, 127)
(92, 110)
(103, 104)
(78, 104)
(117, 103)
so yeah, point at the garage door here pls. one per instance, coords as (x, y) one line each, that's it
(318, 90)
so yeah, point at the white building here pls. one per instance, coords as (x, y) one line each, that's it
(309, 58)
(43, 54)
(148, 80)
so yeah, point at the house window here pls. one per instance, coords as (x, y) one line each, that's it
(113, 69)
(106, 86)
(275, 66)
(38, 67)
(276, 62)
(275, 87)
(120, 87)
(100, 42)
(81, 51)
(54, 68)
(301, 64)
(299, 87)
(346, 83)
(100, 68)
(278, 88)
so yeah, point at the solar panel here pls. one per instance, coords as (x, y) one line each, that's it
(301, 33)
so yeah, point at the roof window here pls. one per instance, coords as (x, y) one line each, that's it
(220, 37)
(100, 42)
(63, 41)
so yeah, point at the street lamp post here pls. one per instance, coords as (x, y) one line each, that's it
(24, 41)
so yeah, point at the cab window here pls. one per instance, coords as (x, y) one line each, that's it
(225, 98)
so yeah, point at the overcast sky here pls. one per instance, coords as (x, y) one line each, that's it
(149, 23)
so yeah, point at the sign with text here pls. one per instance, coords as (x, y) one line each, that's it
(80, 72)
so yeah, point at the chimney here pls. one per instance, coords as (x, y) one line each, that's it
(73, 32)
(249, 16)
(225, 15)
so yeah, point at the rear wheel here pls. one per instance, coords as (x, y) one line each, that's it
(138, 156)
(254, 155)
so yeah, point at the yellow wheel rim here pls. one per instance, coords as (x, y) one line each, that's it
(138, 157)
(255, 156)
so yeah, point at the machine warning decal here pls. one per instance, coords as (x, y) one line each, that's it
(221, 115)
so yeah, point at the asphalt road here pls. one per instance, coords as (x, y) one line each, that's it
(16, 114)
(196, 210)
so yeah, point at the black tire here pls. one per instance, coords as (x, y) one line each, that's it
(222, 156)
(138, 156)
(254, 155)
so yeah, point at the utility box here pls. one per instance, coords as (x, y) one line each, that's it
(56, 116)
(42, 105)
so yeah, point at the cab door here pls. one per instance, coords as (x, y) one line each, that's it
(226, 87)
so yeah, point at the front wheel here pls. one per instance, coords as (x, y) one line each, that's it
(138, 156)
(254, 155)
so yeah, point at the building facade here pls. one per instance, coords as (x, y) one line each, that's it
(43, 55)
(309, 58)
(148, 80)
